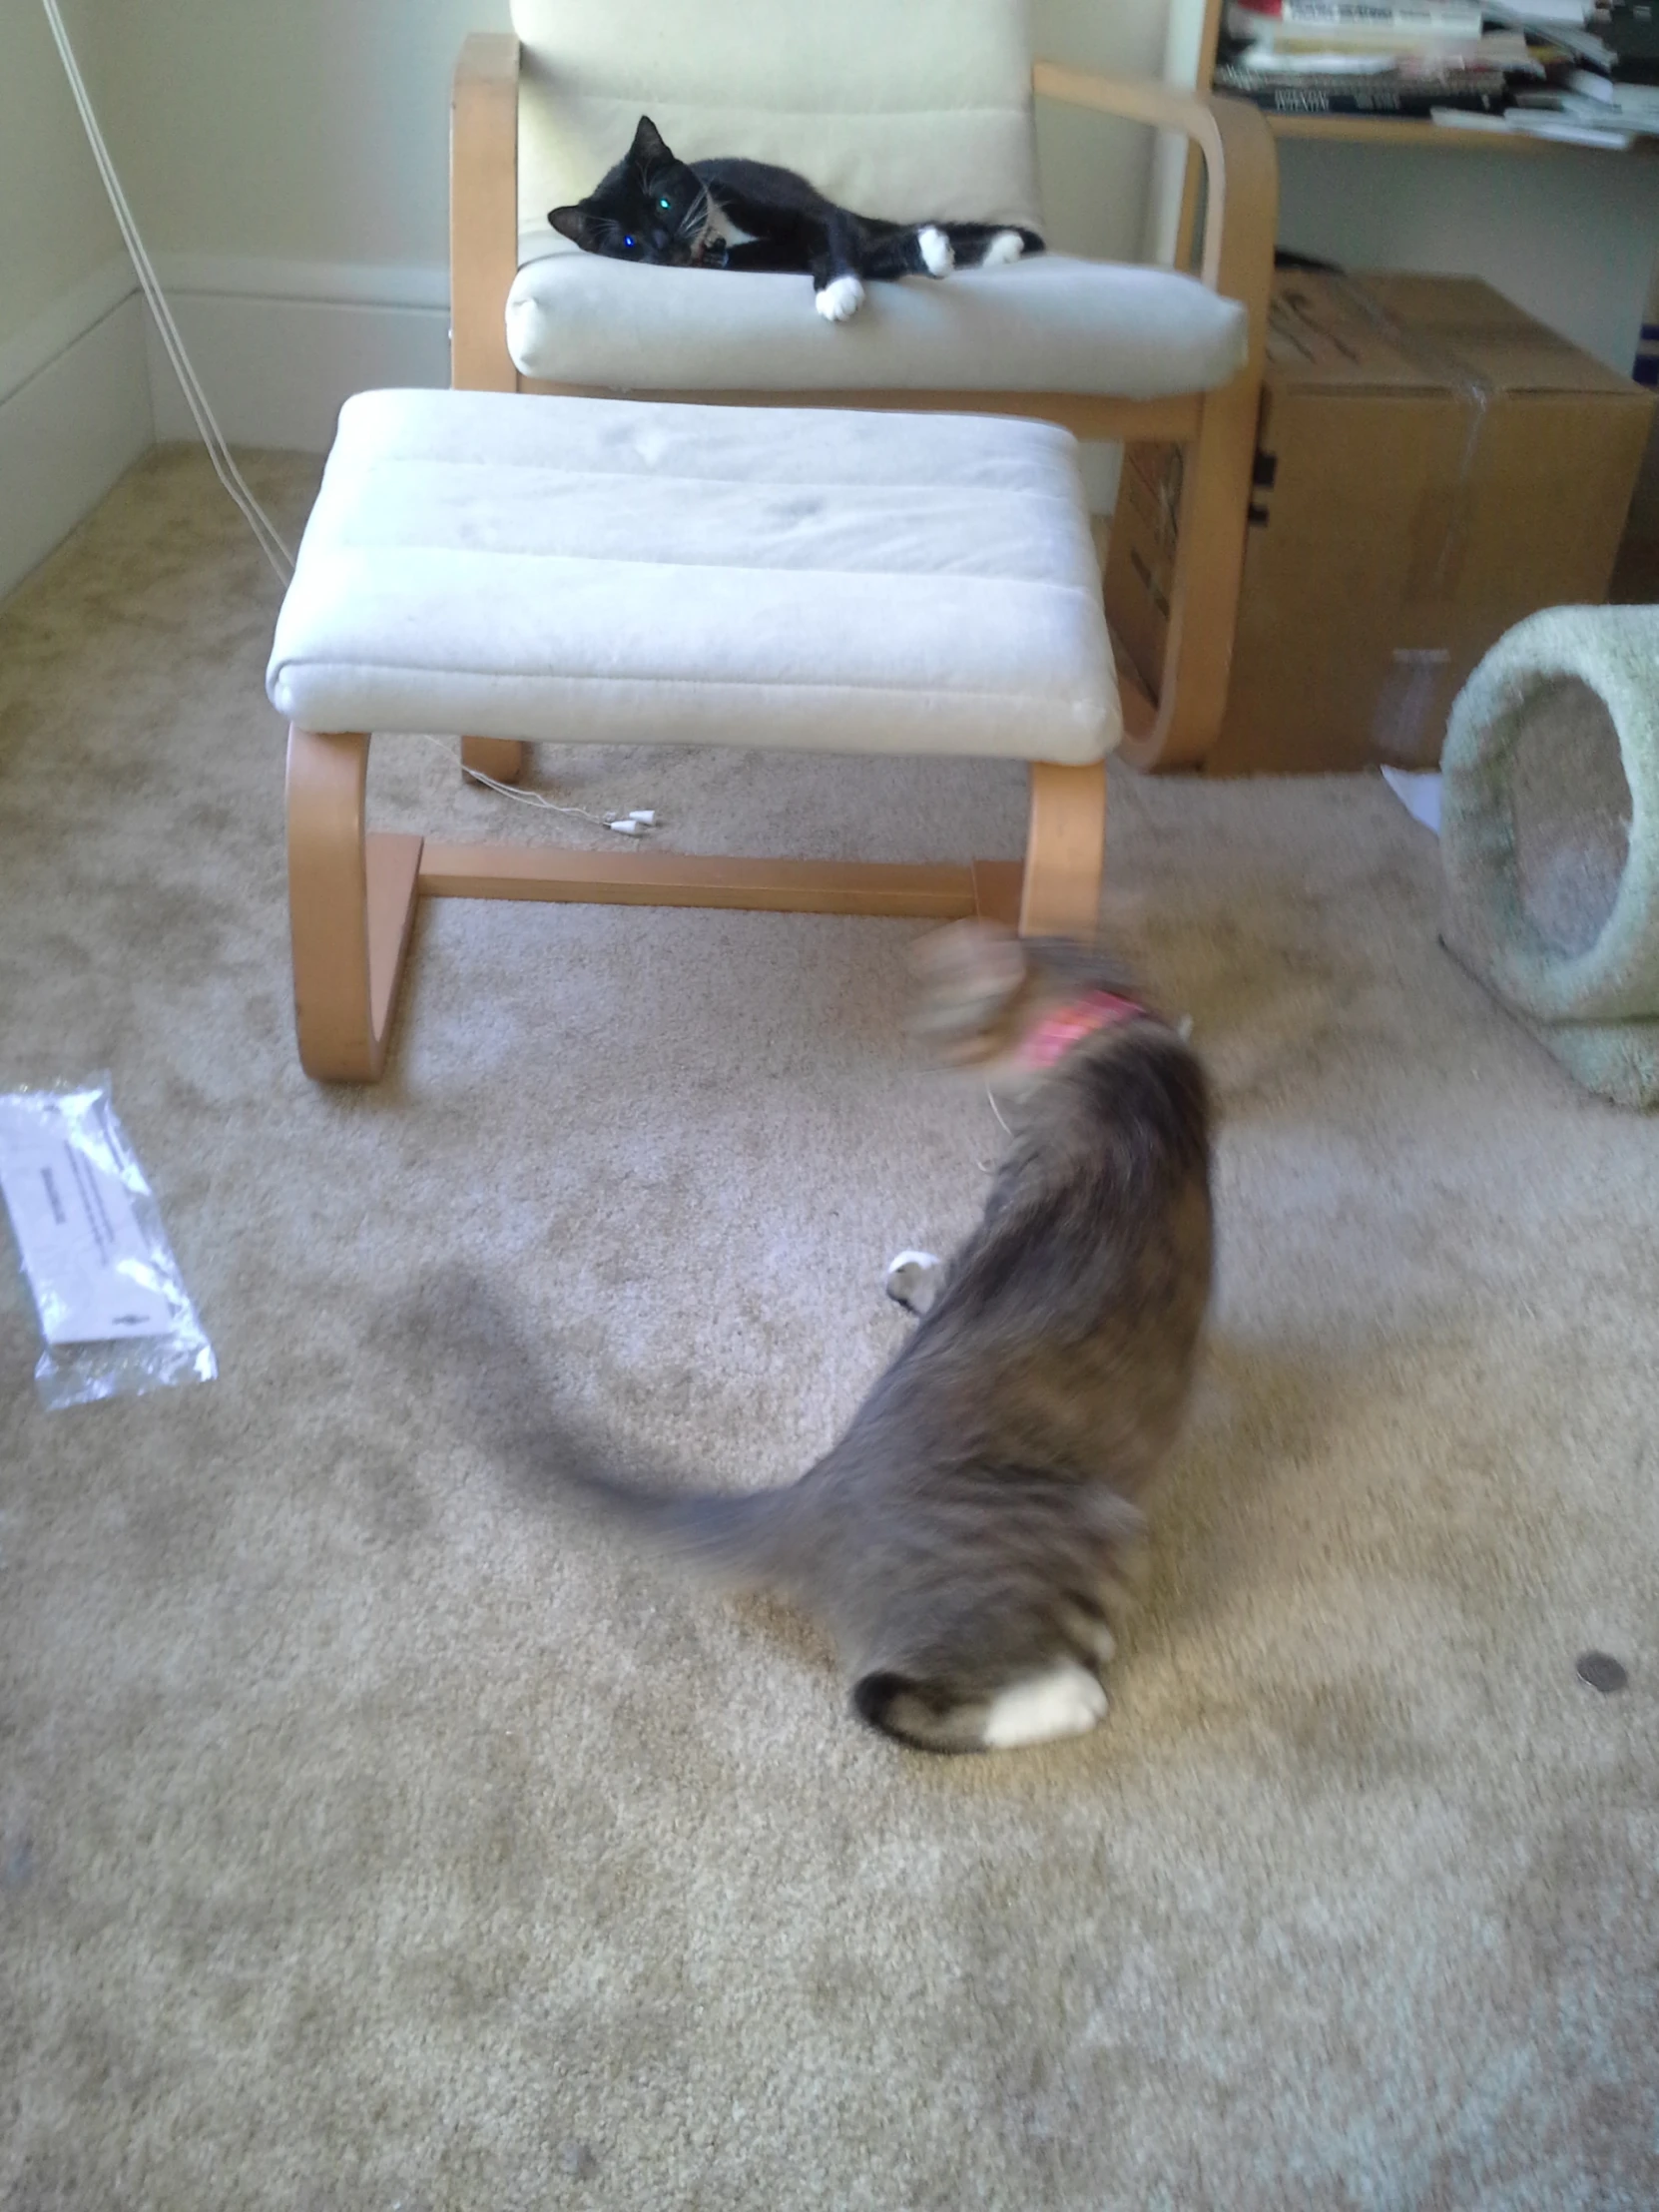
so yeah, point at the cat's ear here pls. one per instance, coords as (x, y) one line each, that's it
(649, 145)
(570, 223)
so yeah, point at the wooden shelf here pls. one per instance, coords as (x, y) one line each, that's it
(1407, 131)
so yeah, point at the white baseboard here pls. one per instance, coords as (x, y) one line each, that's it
(280, 345)
(335, 284)
(87, 389)
(74, 415)
(69, 317)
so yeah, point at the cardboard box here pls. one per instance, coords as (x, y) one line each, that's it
(1636, 573)
(1431, 466)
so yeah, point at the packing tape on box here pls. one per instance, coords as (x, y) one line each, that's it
(1435, 569)
(1409, 698)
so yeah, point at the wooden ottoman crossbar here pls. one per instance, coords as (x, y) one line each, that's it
(508, 569)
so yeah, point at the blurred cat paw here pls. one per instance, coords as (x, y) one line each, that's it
(915, 1280)
(1007, 246)
(937, 253)
(840, 300)
(1067, 1702)
(1091, 1632)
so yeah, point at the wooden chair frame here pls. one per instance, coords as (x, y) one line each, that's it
(1173, 725)
(353, 891)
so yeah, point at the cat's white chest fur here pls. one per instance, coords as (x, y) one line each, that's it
(720, 229)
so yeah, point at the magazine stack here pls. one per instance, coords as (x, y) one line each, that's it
(1411, 60)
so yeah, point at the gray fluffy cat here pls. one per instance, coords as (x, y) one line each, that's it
(965, 1540)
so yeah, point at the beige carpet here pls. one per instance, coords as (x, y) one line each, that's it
(368, 1840)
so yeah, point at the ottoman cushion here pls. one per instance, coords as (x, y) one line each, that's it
(586, 570)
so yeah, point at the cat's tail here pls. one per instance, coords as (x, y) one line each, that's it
(743, 1539)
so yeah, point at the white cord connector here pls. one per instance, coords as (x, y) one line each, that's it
(633, 825)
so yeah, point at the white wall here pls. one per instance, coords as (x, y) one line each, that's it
(55, 226)
(1568, 234)
(310, 131)
(74, 401)
(287, 162)
(1095, 171)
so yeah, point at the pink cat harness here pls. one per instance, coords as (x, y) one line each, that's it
(1057, 1032)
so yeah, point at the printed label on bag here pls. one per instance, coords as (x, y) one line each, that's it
(84, 1251)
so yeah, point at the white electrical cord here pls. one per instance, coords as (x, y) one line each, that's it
(224, 468)
(634, 824)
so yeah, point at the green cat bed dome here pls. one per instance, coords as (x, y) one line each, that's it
(1550, 831)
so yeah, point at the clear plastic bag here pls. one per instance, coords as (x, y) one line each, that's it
(114, 1312)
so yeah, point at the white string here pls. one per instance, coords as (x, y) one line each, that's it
(989, 1167)
(539, 799)
(218, 452)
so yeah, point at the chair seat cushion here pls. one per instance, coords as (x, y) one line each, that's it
(1050, 324)
(579, 570)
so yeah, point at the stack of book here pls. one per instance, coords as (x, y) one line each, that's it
(1605, 91)
(1384, 58)
(1619, 87)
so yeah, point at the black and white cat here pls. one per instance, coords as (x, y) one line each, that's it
(737, 214)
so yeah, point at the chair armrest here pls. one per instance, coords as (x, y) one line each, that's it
(1241, 214)
(1241, 164)
(484, 211)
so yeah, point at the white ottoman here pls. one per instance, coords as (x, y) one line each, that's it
(503, 568)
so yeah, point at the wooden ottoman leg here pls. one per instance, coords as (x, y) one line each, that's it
(1065, 851)
(502, 758)
(351, 901)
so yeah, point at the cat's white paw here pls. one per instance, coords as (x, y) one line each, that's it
(1007, 246)
(937, 253)
(913, 1280)
(840, 300)
(1067, 1702)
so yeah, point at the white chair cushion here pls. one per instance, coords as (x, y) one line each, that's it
(913, 110)
(1050, 324)
(577, 570)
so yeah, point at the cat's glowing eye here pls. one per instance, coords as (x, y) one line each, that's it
(629, 243)
(665, 203)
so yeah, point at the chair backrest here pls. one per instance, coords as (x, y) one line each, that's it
(898, 108)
